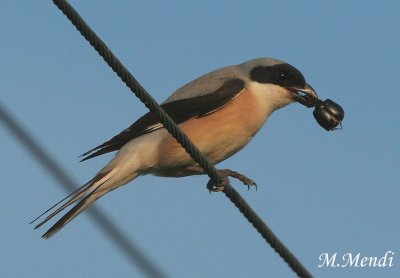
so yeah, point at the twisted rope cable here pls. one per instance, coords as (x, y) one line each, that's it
(136, 88)
(266, 232)
(174, 130)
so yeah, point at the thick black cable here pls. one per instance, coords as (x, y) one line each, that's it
(266, 232)
(174, 130)
(137, 89)
(131, 251)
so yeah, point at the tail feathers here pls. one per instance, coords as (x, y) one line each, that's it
(80, 189)
(72, 213)
(73, 197)
(87, 194)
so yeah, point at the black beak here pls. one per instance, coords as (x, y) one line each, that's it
(306, 96)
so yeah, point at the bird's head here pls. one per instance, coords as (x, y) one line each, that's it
(278, 81)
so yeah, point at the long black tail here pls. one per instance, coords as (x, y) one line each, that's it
(85, 196)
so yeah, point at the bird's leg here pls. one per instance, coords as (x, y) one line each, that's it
(225, 173)
(245, 180)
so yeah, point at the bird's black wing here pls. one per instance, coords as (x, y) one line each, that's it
(179, 110)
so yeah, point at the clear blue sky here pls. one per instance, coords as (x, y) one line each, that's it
(319, 191)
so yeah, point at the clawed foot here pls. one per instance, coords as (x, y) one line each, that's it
(225, 173)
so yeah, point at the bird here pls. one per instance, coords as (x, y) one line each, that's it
(220, 112)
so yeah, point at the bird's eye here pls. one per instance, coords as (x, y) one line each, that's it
(282, 76)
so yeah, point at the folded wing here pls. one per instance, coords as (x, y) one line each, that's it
(179, 110)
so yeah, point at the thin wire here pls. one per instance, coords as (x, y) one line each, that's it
(131, 251)
(174, 130)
